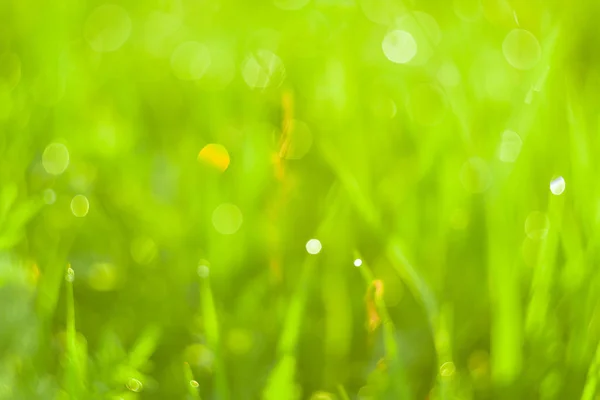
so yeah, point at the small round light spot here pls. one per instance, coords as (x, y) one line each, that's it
(399, 46)
(262, 69)
(49, 196)
(510, 147)
(107, 28)
(194, 383)
(134, 385)
(55, 158)
(227, 219)
(557, 186)
(190, 61)
(70, 275)
(80, 205)
(357, 262)
(313, 246)
(215, 156)
(521, 49)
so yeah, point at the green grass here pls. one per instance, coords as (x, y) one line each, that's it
(138, 262)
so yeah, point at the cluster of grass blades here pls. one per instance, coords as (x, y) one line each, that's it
(299, 199)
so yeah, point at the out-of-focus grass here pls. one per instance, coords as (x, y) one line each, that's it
(164, 165)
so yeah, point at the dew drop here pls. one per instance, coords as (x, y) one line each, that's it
(70, 275)
(134, 385)
(557, 186)
(313, 246)
(447, 369)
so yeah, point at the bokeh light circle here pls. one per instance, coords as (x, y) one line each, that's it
(521, 49)
(107, 28)
(55, 158)
(80, 206)
(399, 46)
(227, 219)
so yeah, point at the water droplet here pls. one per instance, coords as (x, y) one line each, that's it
(70, 275)
(557, 186)
(107, 28)
(55, 158)
(134, 385)
(194, 383)
(510, 147)
(227, 219)
(399, 46)
(313, 246)
(290, 4)
(298, 141)
(215, 156)
(357, 262)
(447, 369)
(521, 49)
(49, 196)
(203, 269)
(537, 225)
(262, 69)
(190, 61)
(475, 175)
(80, 205)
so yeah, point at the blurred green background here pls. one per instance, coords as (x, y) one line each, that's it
(299, 199)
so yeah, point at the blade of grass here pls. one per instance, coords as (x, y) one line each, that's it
(213, 338)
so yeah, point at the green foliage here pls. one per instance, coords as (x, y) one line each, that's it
(165, 163)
